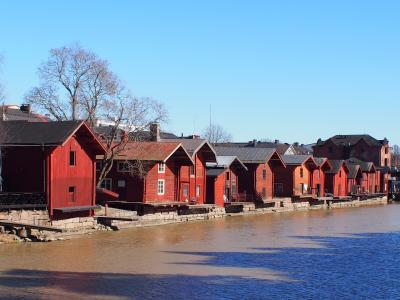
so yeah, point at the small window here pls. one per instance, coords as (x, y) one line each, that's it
(72, 158)
(233, 189)
(227, 176)
(264, 174)
(99, 166)
(106, 184)
(122, 166)
(121, 183)
(161, 187)
(185, 191)
(197, 191)
(386, 150)
(386, 162)
(161, 168)
(71, 192)
(301, 172)
(191, 170)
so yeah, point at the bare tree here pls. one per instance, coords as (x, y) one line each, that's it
(395, 156)
(215, 133)
(77, 84)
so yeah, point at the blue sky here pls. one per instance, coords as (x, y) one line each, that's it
(291, 70)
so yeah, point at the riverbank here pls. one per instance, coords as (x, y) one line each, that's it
(112, 219)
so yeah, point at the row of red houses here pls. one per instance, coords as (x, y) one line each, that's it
(58, 160)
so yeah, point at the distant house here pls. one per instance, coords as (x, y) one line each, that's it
(223, 180)
(336, 178)
(20, 113)
(258, 183)
(281, 148)
(296, 178)
(147, 172)
(363, 147)
(52, 160)
(370, 180)
(318, 176)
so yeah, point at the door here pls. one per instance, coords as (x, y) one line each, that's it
(318, 190)
(184, 192)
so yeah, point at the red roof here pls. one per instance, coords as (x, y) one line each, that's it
(152, 151)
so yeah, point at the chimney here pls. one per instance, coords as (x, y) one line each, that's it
(296, 144)
(25, 108)
(155, 132)
(276, 142)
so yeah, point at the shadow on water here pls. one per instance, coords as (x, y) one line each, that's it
(359, 266)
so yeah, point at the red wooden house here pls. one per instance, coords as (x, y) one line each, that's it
(52, 159)
(370, 180)
(318, 176)
(148, 172)
(296, 178)
(192, 182)
(354, 179)
(336, 178)
(223, 180)
(258, 183)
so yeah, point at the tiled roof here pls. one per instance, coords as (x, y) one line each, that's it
(365, 166)
(192, 146)
(151, 151)
(296, 159)
(336, 165)
(352, 139)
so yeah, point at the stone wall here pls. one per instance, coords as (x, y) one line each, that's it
(36, 217)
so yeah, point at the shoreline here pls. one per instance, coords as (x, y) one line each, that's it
(72, 228)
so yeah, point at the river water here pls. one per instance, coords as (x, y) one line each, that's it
(349, 253)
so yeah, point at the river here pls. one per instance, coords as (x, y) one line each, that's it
(341, 254)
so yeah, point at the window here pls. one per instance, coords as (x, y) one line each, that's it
(191, 170)
(264, 174)
(72, 158)
(71, 194)
(106, 184)
(161, 187)
(233, 189)
(99, 166)
(121, 183)
(386, 162)
(227, 176)
(386, 150)
(161, 168)
(301, 172)
(264, 192)
(185, 190)
(197, 191)
(278, 188)
(122, 166)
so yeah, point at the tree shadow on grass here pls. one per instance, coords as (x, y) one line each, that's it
(360, 266)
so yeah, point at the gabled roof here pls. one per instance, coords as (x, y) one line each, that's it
(227, 161)
(153, 151)
(194, 145)
(352, 139)
(297, 159)
(22, 133)
(354, 171)
(281, 148)
(366, 166)
(16, 114)
(336, 165)
(215, 172)
(249, 155)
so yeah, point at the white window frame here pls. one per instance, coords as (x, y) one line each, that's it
(103, 185)
(161, 167)
(161, 187)
(119, 183)
(198, 190)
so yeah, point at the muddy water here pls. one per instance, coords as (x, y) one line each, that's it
(344, 253)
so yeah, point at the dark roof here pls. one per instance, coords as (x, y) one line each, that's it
(365, 166)
(354, 170)
(144, 136)
(352, 139)
(320, 160)
(295, 159)
(193, 145)
(247, 155)
(37, 133)
(281, 148)
(336, 165)
(215, 172)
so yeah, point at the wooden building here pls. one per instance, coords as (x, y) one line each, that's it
(148, 172)
(53, 159)
(296, 178)
(223, 180)
(336, 179)
(370, 177)
(258, 183)
(354, 179)
(318, 176)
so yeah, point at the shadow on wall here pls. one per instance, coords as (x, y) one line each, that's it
(360, 266)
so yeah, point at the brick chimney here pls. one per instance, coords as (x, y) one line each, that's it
(26, 108)
(155, 132)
